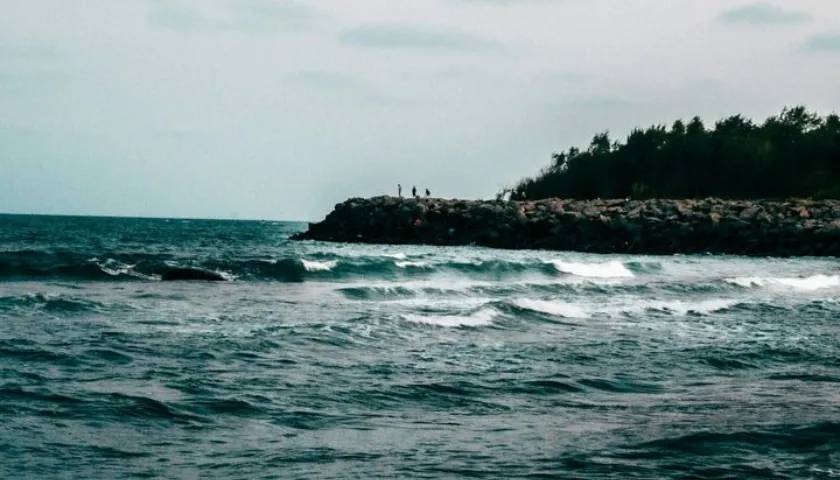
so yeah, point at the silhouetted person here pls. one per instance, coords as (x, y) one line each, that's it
(428, 193)
(399, 190)
(414, 192)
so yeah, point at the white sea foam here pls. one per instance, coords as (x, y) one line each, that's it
(474, 263)
(116, 268)
(478, 318)
(679, 307)
(113, 267)
(444, 303)
(408, 264)
(613, 269)
(559, 309)
(314, 266)
(228, 276)
(814, 282)
(396, 256)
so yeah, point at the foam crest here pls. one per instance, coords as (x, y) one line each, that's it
(113, 267)
(409, 264)
(559, 309)
(479, 318)
(315, 266)
(814, 282)
(613, 269)
(702, 307)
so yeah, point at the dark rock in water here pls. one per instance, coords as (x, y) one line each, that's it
(191, 274)
(658, 226)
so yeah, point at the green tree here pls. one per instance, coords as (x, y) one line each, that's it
(795, 153)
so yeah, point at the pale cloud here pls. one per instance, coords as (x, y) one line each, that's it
(243, 16)
(598, 103)
(763, 14)
(281, 108)
(416, 37)
(507, 3)
(826, 42)
(331, 83)
(28, 51)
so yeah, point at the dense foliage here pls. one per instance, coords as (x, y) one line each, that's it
(793, 154)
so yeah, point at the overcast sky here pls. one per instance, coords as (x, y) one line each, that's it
(278, 109)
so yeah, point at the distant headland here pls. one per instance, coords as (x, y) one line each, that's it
(744, 188)
(748, 227)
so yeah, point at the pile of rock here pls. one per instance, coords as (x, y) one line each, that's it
(752, 227)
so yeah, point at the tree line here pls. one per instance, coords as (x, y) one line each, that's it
(793, 154)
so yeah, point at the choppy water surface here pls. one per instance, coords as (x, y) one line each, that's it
(354, 361)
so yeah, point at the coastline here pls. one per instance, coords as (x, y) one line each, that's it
(794, 227)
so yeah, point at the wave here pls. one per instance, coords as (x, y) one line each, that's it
(783, 437)
(284, 270)
(642, 306)
(814, 282)
(461, 287)
(34, 264)
(415, 264)
(379, 293)
(37, 265)
(620, 385)
(805, 377)
(315, 266)
(18, 393)
(403, 291)
(30, 352)
(113, 267)
(70, 266)
(698, 307)
(559, 309)
(494, 268)
(644, 267)
(189, 273)
(478, 318)
(49, 303)
(143, 408)
(613, 269)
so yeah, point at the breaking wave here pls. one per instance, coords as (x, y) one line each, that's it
(613, 269)
(478, 318)
(409, 264)
(814, 282)
(28, 265)
(559, 309)
(680, 307)
(314, 266)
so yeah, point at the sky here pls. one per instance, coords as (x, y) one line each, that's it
(278, 109)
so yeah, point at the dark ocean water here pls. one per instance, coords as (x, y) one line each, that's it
(317, 360)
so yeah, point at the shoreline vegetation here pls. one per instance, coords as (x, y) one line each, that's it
(738, 188)
(795, 154)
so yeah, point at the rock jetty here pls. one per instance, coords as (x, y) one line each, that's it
(747, 227)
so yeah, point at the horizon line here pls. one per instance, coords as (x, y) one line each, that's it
(148, 217)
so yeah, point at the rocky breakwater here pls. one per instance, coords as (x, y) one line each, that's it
(752, 227)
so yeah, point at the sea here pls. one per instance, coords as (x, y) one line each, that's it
(334, 361)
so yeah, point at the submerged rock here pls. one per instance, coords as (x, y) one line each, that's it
(748, 227)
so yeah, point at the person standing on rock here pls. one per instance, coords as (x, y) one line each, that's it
(399, 190)
(414, 191)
